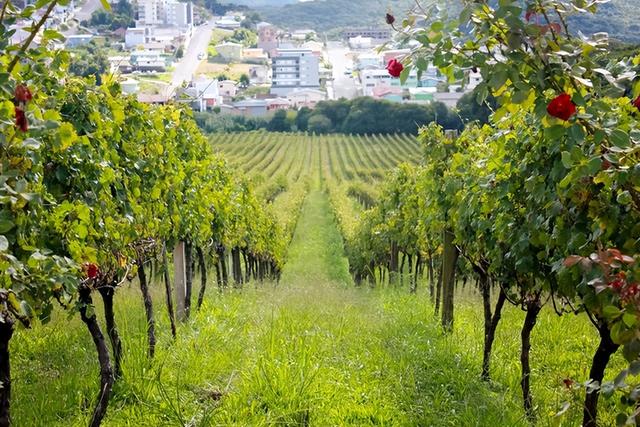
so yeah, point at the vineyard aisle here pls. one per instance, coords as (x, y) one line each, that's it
(316, 254)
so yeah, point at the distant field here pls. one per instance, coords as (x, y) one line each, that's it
(264, 155)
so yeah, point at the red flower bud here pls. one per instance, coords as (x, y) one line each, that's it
(562, 107)
(636, 102)
(92, 270)
(21, 120)
(22, 94)
(395, 68)
(530, 14)
(390, 19)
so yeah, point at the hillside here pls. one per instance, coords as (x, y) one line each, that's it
(617, 17)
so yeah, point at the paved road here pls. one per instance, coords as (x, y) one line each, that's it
(185, 69)
(87, 9)
(343, 86)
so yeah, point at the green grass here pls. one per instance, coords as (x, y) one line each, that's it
(312, 350)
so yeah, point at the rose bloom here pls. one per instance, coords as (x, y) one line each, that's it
(22, 94)
(395, 68)
(21, 120)
(636, 102)
(561, 107)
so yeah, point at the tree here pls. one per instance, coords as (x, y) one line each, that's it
(89, 60)
(244, 81)
(279, 122)
(302, 119)
(319, 123)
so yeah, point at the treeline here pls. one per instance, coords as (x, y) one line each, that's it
(360, 116)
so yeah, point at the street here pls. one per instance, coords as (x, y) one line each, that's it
(185, 69)
(87, 9)
(343, 86)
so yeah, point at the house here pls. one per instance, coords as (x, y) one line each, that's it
(230, 51)
(360, 42)
(148, 60)
(228, 23)
(259, 75)
(294, 69)
(76, 40)
(202, 94)
(137, 36)
(256, 55)
(316, 47)
(121, 64)
(306, 97)
(302, 35)
(251, 107)
(130, 86)
(274, 104)
(372, 78)
(227, 88)
(367, 61)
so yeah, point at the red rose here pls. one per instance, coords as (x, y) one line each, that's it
(92, 270)
(21, 120)
(22, 94)
(561, 107)
(395, 68)
(390, 19)
(636, 102)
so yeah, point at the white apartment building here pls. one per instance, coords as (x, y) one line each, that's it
(294, 69)
(165, 12)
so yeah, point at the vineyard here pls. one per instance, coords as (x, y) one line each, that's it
(151, 275)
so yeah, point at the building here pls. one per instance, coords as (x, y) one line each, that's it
(267, 37)
(227, 88)
(202, 94)
(148, 60)
(255, 55)
(179, 14)
(360, 42)
(377, 34)
(259, 75)
(373, 78)
(251, 107)
(136, 37)
(151, 12)
(165, 12)
(230, 51)
(294, 69)
(274, 104)
(130, 86)
(228, 23)
(306, 98)
(367, 61)
(76, 40)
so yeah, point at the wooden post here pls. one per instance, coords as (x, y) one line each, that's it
(180, 280)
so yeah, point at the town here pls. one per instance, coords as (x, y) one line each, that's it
(235, 64)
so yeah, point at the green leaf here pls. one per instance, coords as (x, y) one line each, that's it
(611, 312)
(566, 159)
(4, 244)
(6, 225)
(106, 5)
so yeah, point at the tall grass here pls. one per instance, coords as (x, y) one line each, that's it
(313, 350)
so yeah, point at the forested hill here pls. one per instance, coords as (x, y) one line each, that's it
(618, 18)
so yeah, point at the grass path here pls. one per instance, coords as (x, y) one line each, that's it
(313, 350)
